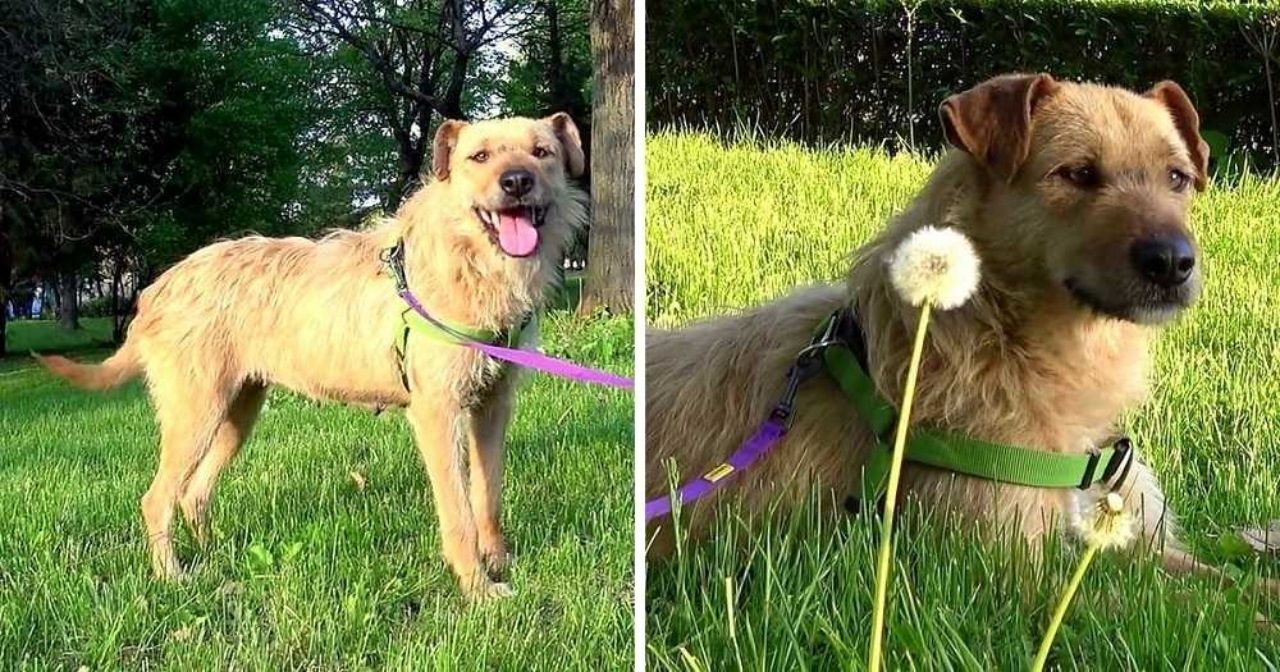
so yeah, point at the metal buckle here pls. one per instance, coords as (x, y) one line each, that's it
(808, 363)
(1094, 456)
(1120, 461)
(393, 257)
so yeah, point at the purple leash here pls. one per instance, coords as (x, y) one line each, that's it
(808, 363)
(525, 358)
(755, 448)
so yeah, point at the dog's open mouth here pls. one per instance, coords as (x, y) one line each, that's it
(515, 229)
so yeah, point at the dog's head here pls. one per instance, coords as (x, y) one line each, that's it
(511, 174)
(1092, 184)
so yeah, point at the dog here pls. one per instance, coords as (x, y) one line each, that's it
(482, 245)
(1075, 197)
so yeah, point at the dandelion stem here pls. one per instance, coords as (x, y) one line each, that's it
(891, 495)
(1061, 611)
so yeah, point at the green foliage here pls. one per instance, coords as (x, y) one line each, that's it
(154, 127)
(233, 101)
(548, 76)
(310, 569)
(829, 70)
(137, 131)
(739, 224)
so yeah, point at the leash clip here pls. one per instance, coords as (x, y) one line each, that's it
(393, 257)
(808, 363)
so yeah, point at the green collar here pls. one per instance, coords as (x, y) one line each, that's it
(947, 450)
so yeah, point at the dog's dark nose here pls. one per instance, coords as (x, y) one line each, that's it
(1164, 260)
(516, 182)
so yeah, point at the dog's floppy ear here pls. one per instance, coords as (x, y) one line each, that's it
(992, 121)
(1187, 121)
(567, 134)
(442, 150)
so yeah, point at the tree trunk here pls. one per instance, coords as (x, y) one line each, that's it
(117, 278)
(6, 273)
(4, 320)
(68, 302)
(610, 278)
(555, 63)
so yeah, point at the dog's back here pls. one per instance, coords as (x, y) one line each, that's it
(270, 310)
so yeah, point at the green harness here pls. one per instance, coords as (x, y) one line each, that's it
(436, 329)
(941, 449)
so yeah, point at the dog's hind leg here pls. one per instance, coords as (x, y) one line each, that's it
(232, 433)
(189, 417)
(437, 427)
(488, 432)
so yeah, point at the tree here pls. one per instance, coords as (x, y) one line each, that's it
(552, 70)
(409, 63)
(610, 278)
(149, 130)
(134, 132)
(6, 277)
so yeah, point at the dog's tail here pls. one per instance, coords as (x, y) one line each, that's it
(117, 370)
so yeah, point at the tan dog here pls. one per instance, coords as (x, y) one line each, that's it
(1075, 197)
(483, 242)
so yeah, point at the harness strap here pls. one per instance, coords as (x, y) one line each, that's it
(434, 328)
(957, 452)
(838, 347)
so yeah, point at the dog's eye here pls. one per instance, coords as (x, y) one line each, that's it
(1178, 180)
(541, 152)
(480, 156)
(1084, 177)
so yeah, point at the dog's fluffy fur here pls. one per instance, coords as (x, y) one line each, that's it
(1035, 359)
(321, 317)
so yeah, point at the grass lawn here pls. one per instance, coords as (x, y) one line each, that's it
(735, 225)
(310, 570)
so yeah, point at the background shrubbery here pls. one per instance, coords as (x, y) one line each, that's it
(871, 70)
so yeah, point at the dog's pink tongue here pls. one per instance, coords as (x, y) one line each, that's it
(516, 234)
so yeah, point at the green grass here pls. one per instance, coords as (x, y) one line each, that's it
(48, 336)
(309, 571)
(739, 224)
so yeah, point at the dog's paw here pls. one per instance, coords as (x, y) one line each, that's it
(166, 569)
(1265, 625)
(486, 591)
(173, 575)
(497, 562)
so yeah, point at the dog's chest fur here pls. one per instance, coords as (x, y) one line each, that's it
(485, 374)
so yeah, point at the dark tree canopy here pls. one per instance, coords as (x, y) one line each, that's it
(133, 132)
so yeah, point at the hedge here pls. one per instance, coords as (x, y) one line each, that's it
(825, 71)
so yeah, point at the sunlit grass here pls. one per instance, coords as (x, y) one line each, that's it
(735, 225)
(309, 570)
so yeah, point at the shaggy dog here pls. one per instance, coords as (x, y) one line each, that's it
(1075, 196)
(482, 245)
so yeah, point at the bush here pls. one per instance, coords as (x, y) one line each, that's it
(840, 70)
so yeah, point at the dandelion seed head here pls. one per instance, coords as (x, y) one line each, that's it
(938, 265)
(1102, 521)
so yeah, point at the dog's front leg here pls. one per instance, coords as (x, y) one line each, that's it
(488, 431)
(437, 424)
(1159, 531)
